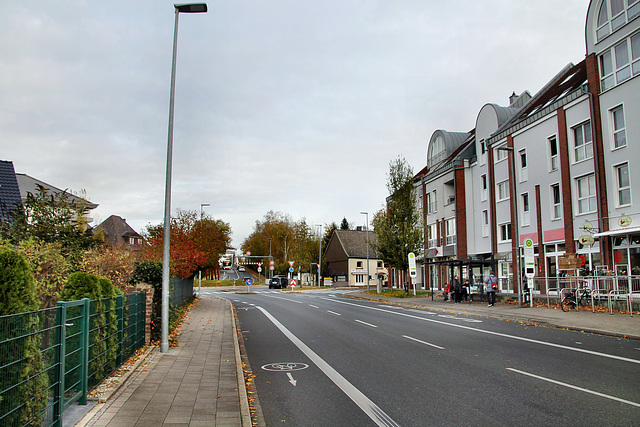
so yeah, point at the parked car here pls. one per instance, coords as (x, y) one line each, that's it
(241, 268)
(278, 282)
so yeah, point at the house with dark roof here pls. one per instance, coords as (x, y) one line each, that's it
(346, 259)
(29, 184)
(9, 190)
(119, 234)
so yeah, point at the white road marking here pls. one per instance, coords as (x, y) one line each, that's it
(499, 334)
(586, 390)
(285, 299)
(314, 306)
(422, 342)
(368, 407)
(333, 312)
(365, 323)
(431, 313)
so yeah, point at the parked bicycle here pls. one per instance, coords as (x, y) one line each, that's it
(570, 301)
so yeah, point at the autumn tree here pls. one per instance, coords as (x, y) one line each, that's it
(285, 239)
(196, 243)
(398, 230)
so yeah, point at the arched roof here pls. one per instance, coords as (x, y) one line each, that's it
(442, 144)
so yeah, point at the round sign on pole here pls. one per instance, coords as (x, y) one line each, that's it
(259, 269)
(249, 282)
(291, 269)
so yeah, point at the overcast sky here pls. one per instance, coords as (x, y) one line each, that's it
(287, 105)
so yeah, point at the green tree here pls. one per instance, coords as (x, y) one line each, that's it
(344, 225)
(20, 342)
(51, 219)
(398, 230)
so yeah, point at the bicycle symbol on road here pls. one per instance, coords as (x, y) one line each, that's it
(285, 367)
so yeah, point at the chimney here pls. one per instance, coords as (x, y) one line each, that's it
(513, 98)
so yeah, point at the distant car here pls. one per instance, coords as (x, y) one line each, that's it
(278, 282)
(241, 268)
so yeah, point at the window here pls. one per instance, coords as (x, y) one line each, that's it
(360, 278)
(433, 235)
(450, 229)
(623, 184)
(526, 215)
(613, 15)
(619, 134)
(434, 202)
(358, 264)
(553, 153)
(438, 150)
(620, 63)
(504, 234)
(485, 223)
(483, 187)
(427, 203)
(586, 189)
(379, 264)
(523, 165)
(582, 143)
(503, 190)
(556, 208)
(500, 154)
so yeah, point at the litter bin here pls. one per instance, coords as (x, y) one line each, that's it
(526, 294)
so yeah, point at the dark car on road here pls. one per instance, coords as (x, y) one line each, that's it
(278, 282)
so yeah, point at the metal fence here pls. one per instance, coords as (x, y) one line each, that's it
(181, 290)
(621, 291)
(52, 358)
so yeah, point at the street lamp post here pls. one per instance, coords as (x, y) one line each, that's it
(367, 226)
(319, 251)
(202, 205)
(164, 336)
(516, 230)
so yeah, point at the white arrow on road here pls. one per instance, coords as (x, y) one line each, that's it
(291, 380)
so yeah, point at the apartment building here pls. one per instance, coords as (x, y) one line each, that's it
(554, 168)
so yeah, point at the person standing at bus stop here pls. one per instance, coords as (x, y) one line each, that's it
(491, 283)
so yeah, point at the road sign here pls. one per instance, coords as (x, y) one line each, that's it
(291, 263)
(412, 265)
(271, 267)
(529, 259)
(272, 262)
(293, 283)
(259, 269)
(291, 269)
(249, 282)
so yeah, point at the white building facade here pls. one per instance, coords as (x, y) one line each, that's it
(555, 168)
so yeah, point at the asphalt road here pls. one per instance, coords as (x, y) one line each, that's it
(321, 359)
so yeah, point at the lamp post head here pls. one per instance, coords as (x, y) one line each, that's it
(191, 8)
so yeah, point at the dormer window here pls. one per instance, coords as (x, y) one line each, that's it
(614, 14)
(438, 150)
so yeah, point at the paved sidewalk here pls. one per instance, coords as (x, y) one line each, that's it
(616, 324)
(198, 383)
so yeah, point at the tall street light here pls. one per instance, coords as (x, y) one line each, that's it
(164, 335)
(319, 250)
(367, 225)
(202, 205)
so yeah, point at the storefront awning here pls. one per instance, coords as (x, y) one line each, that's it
(618, 231)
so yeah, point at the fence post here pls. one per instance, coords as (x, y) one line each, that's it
(58, 398)
(120, 315)
(84, 363)
(141, 319)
